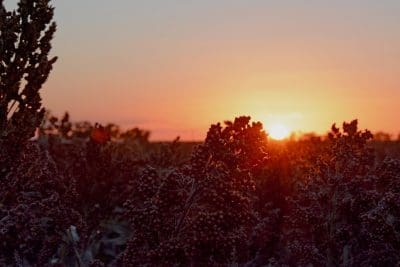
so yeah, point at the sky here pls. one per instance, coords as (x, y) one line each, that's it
(176, 66)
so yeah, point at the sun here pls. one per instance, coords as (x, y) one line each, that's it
(278, 131)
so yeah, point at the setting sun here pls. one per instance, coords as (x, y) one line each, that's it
(278, 131)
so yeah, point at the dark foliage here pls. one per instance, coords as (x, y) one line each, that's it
(77, 199)
(25, 36)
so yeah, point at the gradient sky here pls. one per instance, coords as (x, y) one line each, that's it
(174, 67)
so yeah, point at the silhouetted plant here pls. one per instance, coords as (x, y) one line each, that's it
(323, 227)
(25, 36)
(201, 213)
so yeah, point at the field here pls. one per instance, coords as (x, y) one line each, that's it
(87, 195)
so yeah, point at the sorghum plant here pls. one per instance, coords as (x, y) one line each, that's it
(36, 207)
(323, 226)
(201, 213)
(25, 64)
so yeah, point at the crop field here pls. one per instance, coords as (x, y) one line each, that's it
(87, 195)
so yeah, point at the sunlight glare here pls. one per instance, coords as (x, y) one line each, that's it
(278, 131)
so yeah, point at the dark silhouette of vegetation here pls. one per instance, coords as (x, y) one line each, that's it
(25, 64)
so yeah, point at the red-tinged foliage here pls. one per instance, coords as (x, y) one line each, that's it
(100, 135)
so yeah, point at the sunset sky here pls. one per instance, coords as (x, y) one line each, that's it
(175, 67)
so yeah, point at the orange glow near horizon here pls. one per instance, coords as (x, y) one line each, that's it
(174, 69)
